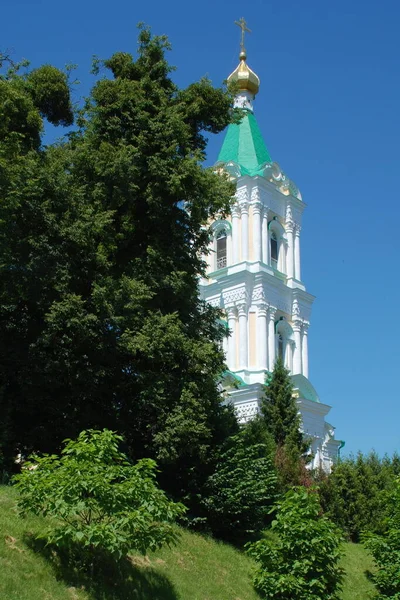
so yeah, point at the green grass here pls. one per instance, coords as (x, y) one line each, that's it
(197, 568)
(356, 562)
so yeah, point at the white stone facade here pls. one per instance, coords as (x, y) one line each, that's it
(254, 276)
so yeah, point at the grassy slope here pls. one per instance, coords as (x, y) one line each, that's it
(197, 569)
(356, 562)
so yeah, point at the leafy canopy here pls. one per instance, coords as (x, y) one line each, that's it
(101, 244)
(301, 562)
(99, 500)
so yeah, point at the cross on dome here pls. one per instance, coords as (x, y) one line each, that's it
(243, 26)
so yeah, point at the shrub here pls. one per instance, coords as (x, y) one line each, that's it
(386, 551)
(355, 494)
(242, 489)
(100, 502)
(301, 562)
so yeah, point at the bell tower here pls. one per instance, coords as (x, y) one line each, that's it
(254, 273)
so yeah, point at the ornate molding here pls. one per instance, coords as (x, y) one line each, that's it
(246, 411)
(257, 207)
(258, 294)
(242, 308)
(263, 308)
(235, 211)
(244, 208)
(295, 308)
(231, 312)
(255, 196)
(297, 325)
(234, 296)
(272, 312)
(215, 302)
(242, 195)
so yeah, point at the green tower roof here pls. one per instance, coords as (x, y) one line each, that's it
(244, 145)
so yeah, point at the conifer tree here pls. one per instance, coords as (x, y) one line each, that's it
(281, 418)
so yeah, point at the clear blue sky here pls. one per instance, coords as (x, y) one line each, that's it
(329, 111)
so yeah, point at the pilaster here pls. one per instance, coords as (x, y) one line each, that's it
(297, 263)
(231, 313)
(304, 348)
(243, 335)
(271, 337)
(265, 236)
(262, 327)
(235, 233)
(244, 209)
(297, 325)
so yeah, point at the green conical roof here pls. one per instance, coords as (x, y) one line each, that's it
(244, 145)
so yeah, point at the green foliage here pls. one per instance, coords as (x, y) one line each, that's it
(386, 550)
(240, 492)
(101, 238)
(100, 502)
(50, 92)
(301, 563)
(355, 494)
(281, 418)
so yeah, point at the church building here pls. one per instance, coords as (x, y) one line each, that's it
(254, 275)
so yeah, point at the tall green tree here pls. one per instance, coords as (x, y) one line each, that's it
(242, 489)
(355, 494)
(101, 239)
(281, 419)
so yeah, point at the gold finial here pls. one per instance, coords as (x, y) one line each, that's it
(242, 24)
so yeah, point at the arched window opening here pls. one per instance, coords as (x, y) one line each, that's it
(284, 342)
(274, 250)
(221, 249)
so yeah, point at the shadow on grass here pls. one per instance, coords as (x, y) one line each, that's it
(108, 580)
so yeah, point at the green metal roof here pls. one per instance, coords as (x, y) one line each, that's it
(244, 145)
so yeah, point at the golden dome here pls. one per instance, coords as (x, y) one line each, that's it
(245, 77)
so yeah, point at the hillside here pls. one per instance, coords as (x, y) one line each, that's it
(196, 569)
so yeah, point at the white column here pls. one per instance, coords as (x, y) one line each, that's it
(231, 358)
(290, 250)
(235, 234)
(297, 347)
(262, 325)
(271, 338)
(257, 248)
(243, 342)
(304, 349)
(297, 253)
(265, 236)
(245, 230)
